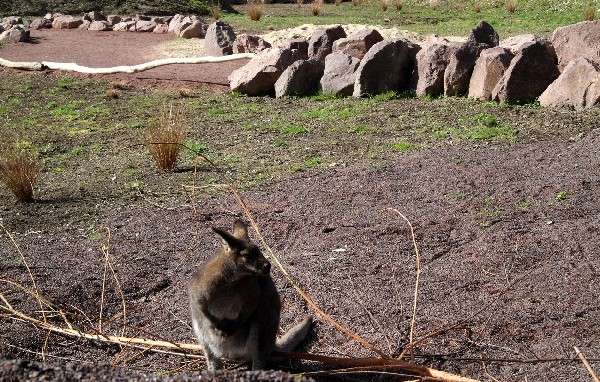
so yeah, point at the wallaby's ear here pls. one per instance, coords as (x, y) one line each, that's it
(240, 230)
(229, 241)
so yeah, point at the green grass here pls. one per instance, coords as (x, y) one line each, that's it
(480, 127)
(404, 147)
(561, 196)
(451, 18)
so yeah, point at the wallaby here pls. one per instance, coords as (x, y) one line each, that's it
(236, 307)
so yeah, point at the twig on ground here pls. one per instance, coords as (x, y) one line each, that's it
(417, 281)
(586, 364)
(105, 250)
(35, 288)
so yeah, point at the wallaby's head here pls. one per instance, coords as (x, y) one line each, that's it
(246, 256)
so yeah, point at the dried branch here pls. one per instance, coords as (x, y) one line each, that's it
(586, 364)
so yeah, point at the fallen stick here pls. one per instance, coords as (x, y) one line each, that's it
(73, 67)
(586, 364)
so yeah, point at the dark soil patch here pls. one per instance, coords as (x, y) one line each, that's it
(516, 227)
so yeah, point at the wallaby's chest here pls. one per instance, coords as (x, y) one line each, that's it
(236, 300)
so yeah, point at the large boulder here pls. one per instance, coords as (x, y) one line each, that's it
(577, 87)
(300, 78)
(321, 42)
(299, 44)
(113, 19)
(219, 39)
(66, 22)
(94, 16)
(249, 44)
(515, 43)
(339, 74)
(84, 25)
(462, 60)
(15, 34)
(197, 29)
(358, 43)
(577, 40)
(432, 61)
(99, 26)
(388, 65)
(144, 26)
(40, 24)
(529, 73)
(161, 28)
(174, 23)
(9, 21)
(489, 69)
(259, 75)
(124, 26)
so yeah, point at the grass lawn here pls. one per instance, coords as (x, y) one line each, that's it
(448, 18)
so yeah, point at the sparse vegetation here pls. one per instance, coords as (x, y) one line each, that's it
(399, 4)
(561, 196)
(19, 171)
(589, 12)
(255, 11)
(215, 13)
(477, 8)
(165, 138)
(384, 5)
(316, 7)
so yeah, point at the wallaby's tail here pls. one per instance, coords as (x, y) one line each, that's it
(293, 337)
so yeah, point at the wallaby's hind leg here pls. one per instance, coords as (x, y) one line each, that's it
(213, 363)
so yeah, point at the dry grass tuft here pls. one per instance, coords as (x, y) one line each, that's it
(338, 2)
(215, 13)
(119, 85)
(356, 2)
(477, 8)
(255, 11)
(511, 6)
(399, 4)
(299, 3)
(435, 3)
(113, 93)
(317, 6)
(589, 12)
(165, 139)
(384, 5)
(186, 93)
(19, 171)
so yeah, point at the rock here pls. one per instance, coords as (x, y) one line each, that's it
(321, 42)
(489, 68)
(197, 29)
(174, 23)
(339, 74)
(9, 21)
(577, 40)
(219, 39)
(94, 16)
(161, 28)
(462, 60)
(144, 26)
(124, 26)
(358, 43)
(388, 65)
(577, 87)
(529, 73)
(85, 25)
(250, 44)
(515, 43)
(299, 44)
(484, 34)
(113, 19)
(161, 19)
(259, 75)
(99, 26)
(40, 24)
(66, 22)
(15, 34)
(49, 16)
(431, 65)
(300, 78)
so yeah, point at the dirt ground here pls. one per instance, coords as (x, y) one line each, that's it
(508, 234)
(107, 49)
(527, 253)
